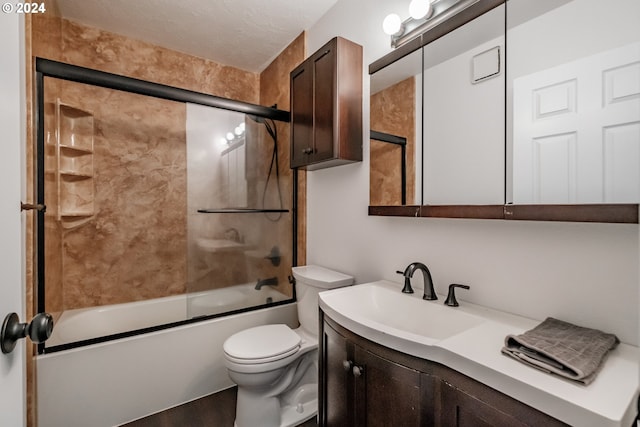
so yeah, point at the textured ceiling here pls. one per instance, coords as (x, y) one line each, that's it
(246, 34)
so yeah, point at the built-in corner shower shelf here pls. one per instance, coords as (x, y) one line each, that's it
(74, 171)
(242, 210)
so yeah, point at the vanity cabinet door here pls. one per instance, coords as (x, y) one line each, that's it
(468, 403)
(362, 389)
(326, 107)
(336, 380)
(388, 394)
(460, 409)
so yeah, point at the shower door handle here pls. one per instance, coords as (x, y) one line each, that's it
(38, 330)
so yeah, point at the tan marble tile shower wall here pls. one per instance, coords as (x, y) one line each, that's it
(101, 50)
(388, 115)
(134, 246)
(274, 90)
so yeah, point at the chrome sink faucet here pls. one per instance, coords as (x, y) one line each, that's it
(429, 292)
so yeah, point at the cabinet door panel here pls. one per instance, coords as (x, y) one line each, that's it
(387, 394)
(461, 409)
(324, 93)
(301, 116)
(338, 393)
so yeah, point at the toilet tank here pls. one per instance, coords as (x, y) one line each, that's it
(310, 281)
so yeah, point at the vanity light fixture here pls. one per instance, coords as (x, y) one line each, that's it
(424, 15)
(392, 25)
(234, 137)
(420, 9)
(237, 132)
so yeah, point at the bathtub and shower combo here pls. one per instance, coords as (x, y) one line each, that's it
(166, 231)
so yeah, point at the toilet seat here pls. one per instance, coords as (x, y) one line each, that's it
(262, 344)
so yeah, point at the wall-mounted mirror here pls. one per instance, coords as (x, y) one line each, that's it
(463, 96)
(454, 127)
(395, 115)
(549, 130)
(573, 102)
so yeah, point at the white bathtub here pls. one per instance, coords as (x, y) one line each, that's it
(115, 382)
(85, 323)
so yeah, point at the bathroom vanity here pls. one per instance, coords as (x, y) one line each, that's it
(388, 358)
(365, 383)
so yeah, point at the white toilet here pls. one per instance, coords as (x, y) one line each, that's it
(276, 367)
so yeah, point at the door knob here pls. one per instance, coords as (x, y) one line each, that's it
(38, 330)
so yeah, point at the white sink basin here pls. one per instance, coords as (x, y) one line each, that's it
(385, 311)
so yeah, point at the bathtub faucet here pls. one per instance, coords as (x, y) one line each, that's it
(271, 281)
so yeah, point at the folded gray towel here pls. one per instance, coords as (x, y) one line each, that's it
(562, 348)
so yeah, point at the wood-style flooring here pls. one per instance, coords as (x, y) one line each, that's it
(216, 410)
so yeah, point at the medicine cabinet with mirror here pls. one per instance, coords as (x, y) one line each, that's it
(395, 115)
(574, 102)
(529, 123)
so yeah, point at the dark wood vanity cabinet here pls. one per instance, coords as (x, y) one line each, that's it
(364, 389)
(365, 384)
(326, 107)
(466, 402)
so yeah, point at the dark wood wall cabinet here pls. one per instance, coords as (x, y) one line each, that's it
(326, 107)
(365, 384)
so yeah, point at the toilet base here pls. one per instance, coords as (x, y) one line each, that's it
(289, 410)
(290, 417)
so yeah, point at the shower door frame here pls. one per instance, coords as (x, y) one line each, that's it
(60, 70)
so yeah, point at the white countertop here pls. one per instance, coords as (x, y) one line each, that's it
(609, 401)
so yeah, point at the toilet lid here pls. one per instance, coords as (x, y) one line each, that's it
(266, 342)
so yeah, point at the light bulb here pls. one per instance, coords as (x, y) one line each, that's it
(238, 131)
(224, 142)
(242, 126)
(392, 24)
(230, 136)
(419, 9)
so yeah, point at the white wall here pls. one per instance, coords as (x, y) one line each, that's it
(582, 273)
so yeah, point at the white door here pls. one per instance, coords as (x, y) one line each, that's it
(12, 365)
(577, 131)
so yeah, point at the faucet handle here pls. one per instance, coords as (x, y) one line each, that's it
(407, 289)
(451, 296)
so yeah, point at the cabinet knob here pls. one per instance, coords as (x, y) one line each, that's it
(307, 150)
(358, 371)
(347, 364)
